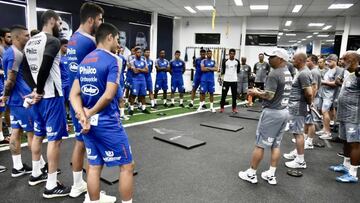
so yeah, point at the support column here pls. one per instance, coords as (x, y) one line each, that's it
(153, 35)
(345, 35)
(243, 36)
(31, 17)
(316, 47)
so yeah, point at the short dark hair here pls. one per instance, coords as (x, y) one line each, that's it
(313, 58)
(47, 15)
(209, 50)
(17, 27)
(34, 32)
(104, 30)
(161, 50)
(147, 49)
(232, 50)
(202, 51)
(3, 31)
(63, 41)
(261, 54)
(177, 52)
(137, 49)
(89, 10)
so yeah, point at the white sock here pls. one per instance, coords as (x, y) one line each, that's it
(155, 101)
(140, 104)
(42, 161)
(132, 107)
(300, 158)
(17, 162)
(51, 181)
(36, 172)
(95, 201)
(164, 101)
(306, 136)
(129, 201)
(77, 178)
(152, 102)
(271, 171)
(126, 100)
(2, 136)
(346, 162)
(192, 102)
(9, 129)
(181, 101)
(251, 171)
(122, 111)
(353, 170)
(172, 100)
(143, 107)
(211, 105)
(310, 140)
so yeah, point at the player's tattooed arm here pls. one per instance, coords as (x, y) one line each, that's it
(10, 82)
(263, 94)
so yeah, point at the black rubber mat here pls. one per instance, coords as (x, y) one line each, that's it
(222, 126)
(180, 140)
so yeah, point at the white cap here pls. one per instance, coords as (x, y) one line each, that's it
(279, 52)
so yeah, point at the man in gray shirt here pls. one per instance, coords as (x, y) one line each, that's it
(261, 69)
(349, 117)
(273, 118)
(299, 101)
(243, 79)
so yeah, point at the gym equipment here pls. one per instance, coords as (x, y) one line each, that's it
(180, 140)
(294, 173)
(243, 115)
(222, 126)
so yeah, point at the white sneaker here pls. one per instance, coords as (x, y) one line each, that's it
(326, 136)
(295, 164)
(124, 117)
(293, 140)
(213, 110)
(308, 145)
(103, 198)
(291, 155)
(270, 179)
(320, 132)
(252, 178)
(200, 109)
(287, 127)
(77, 191)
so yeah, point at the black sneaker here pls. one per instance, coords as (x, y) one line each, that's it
(172, 105)
(146, 111)
(191, 105)
(204, 106)
(46, 167)
(17, 173)
(5, 142)
(37, 180)
(2, 168)
(182, 105)
(153, 107)
(165, 105)
(131, 112)
(59, 191)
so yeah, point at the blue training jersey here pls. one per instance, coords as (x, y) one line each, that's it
(2, 76)
(177, 67)
(208, 76)
(123, 67)
(12, 60)
(95, 71)
(198, 65)
(80, 45)
(150, 64)
(141, 64)
(162, 64)
(64, 71)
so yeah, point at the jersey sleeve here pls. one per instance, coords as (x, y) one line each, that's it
(305, 79)
(52, 47)
(17, 60)
(271, 83)
(114, 73)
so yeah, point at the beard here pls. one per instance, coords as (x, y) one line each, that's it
(93, 29)
(56, 31)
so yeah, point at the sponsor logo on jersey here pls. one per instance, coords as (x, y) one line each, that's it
(33, 68)
(71, 51)
(31, 51)
(89, 90)
(87, 70)
(73, 67)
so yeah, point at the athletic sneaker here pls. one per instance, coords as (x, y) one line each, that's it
(269, 178)
(308, 145)
(204, 106)
(37, 180)
(252, 178)
(222, 110)
(146, 111)
(124, 118)
(200, 109)
(78, 190)
(131, 112)
(347, 178)
(46, 167)
(181, 105)
(294, 164)
(234, 110)
(213, 110)
(287, 127)
(339, 168)
(4, 142)
(191, 105)
(320, 132)
(166, 105)
(326, 136)
(103, 198)
(291, 155)
(2, 168)
(24, 170)
(341, 154)
(172, 105)
(59, 191)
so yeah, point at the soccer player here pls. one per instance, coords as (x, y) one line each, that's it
(270, 129)
(42, 74)
(149, 83)
(162, 67)
(15, 92)
(139, 68)
(122, 85)
(95, 105)
(177, 69)
(300, 100)
(197, 78)
(81, 43)
(208, 67)
(64, 69)
(129, 74)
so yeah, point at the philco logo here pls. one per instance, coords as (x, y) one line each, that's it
(87, 70)
(73, 67)
(90, 90)
(71, 51)
(31, 51)
(109, 153)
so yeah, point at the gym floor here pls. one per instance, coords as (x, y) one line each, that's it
(208, 173)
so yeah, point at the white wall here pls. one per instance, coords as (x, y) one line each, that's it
(354, 25)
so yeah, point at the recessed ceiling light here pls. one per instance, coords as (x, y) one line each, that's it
(288, 23)
(303, 39)
(315, 33)
(316, 24)
(323, 35)
(205, 8)
(292, 40)
(298, 41)
(340, 6)
(310, 36)
(297, 8)
(327, 27)
(259, 7)
(290, 34)
(191, 10)
(330, 40)
(238, 2)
